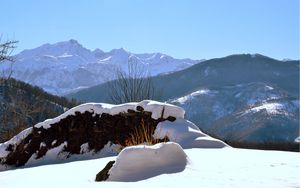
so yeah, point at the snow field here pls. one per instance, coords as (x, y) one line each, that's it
(213, 168)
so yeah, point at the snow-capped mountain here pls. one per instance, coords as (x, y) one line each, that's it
(67, 66)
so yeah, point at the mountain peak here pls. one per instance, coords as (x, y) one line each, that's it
(73, 41)
(69, 43)
(119, 51)
(98, 53)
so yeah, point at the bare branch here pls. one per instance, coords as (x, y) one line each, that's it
(6, 49)
(132, 85)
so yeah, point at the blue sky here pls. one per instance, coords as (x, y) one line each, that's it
(181, 28)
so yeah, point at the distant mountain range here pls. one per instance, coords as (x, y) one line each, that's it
(240, 98)
(67, 66)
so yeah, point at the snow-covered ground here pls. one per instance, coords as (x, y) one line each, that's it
(192, 158)
(227, 167)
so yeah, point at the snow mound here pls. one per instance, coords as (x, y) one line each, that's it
(187, 134)
(142, 162)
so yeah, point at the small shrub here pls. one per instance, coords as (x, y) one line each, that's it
(143, 135)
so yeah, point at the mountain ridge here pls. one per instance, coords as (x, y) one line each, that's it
(204, 74)
(62, 67)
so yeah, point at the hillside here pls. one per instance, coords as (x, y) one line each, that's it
(253, 115)
(230, 71)
(22, 106)
(215, 94)
(227, 71)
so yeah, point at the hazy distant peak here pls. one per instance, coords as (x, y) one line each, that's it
(97, 50)
(119, 51)
(68, 44)
(98, 53)
(59, 49)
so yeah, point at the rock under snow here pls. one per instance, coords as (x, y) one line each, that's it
(141, 162)
(96, 130)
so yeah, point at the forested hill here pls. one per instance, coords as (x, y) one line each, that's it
(227, 71)
(23, 105)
